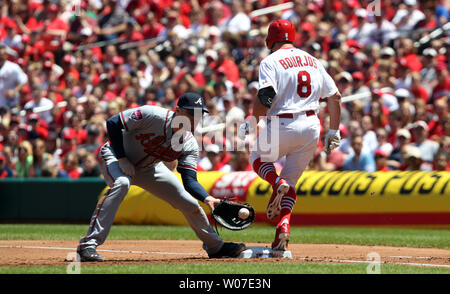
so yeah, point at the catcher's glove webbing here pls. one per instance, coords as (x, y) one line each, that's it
(226, 213)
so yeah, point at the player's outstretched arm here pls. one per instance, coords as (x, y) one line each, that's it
(191, 184)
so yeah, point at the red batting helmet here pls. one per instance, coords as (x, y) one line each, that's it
(279, 31)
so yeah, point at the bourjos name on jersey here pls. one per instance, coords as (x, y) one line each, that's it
(296, 61)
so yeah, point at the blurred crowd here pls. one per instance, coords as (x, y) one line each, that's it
(66, 66)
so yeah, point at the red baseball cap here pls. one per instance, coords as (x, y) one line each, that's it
(23, 127)
(48, 64)
(33, 116)
(117, 60)
(22, 62)
(307, 26)
(353, 43)
(403, 62)
(357, 75)
(26, 38)
(380, 153)
(10, 24)
(69, 58)
(69, 134)
(352, 3)
(49, 55)
(53, 8)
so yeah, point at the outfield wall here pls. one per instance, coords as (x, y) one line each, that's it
(324, 198)
(45, 199)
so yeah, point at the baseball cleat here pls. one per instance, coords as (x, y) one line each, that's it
(229, 249)
(274, 206)
(282, 235)
(89, 254)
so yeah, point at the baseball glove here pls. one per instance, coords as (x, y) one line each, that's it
(226, 213)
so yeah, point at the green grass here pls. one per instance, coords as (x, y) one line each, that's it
(229, 268)
(420, 238)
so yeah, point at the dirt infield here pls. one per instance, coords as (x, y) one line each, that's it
(54, 252)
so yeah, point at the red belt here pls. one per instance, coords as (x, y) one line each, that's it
(290, 115)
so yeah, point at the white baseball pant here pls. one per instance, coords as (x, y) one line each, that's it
(296, 138)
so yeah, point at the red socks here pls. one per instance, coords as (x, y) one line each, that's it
(287, 205)
(265, 170)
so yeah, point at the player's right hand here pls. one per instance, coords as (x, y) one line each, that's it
(332, 140)
(243, 130)
(211, 202)
(126, 167)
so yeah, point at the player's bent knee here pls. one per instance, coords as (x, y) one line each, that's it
(122, 183)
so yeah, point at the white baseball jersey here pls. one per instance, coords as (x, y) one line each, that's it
(299, 81)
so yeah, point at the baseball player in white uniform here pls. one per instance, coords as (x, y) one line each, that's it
(291, 82)
(140, 139)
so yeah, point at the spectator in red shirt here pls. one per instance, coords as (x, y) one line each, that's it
(70, 168)
(151, 28)
(69, 141)
(443, 82)
(240, 161)
(68, 66)
(131, 33)
(227, 65)
(406, 50)
(395, 123)
(216, 13)
(55, 28)
(381, 160)
(417, 88)
(26, 22)
(436, 125)
(191, 72)
(441, 162)
(213, 160)
(37, 127)
(378, 115)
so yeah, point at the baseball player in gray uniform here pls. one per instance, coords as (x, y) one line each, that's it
(140, 139)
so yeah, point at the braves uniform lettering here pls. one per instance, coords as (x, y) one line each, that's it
(147, 139)
(137, 115)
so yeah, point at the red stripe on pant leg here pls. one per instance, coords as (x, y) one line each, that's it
(99, 207)
(106, 167)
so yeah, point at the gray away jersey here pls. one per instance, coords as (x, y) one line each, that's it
(147, 138)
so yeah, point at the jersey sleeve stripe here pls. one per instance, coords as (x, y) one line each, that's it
(165, 123)
(123, 121)
(187, 137)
